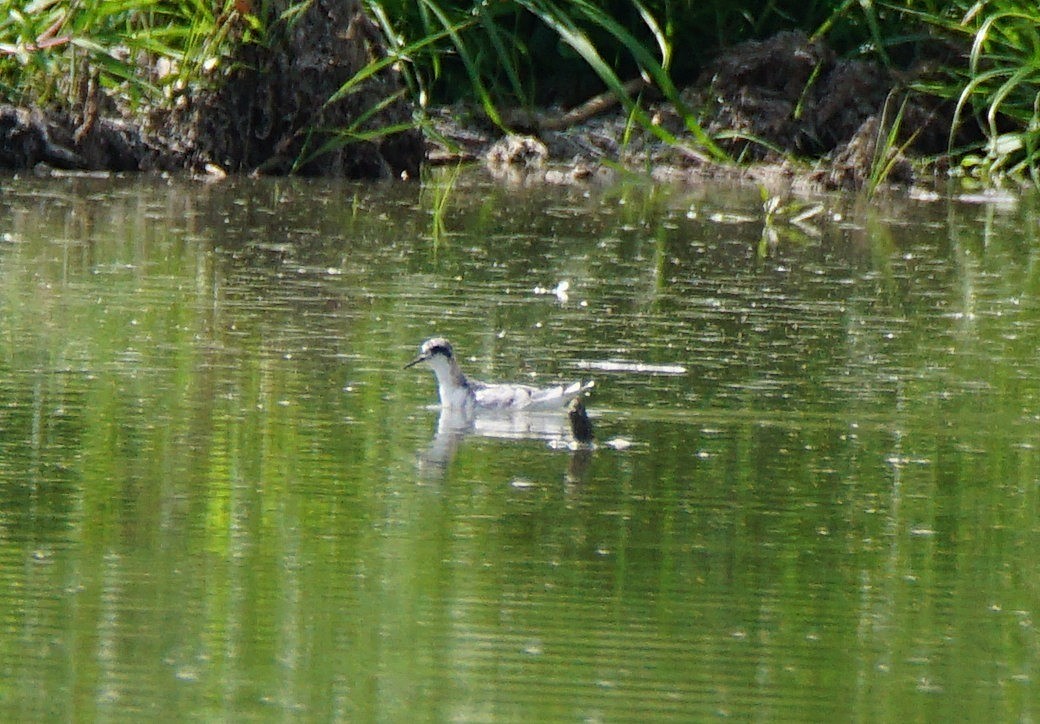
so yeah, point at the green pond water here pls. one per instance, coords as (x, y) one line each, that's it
(815, 494)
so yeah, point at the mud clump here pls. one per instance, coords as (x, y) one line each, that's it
(757, 91)
(787, 109)
(273, 111)
(793, 94)
(26, 139)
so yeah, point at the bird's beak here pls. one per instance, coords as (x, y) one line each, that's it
(417, 360)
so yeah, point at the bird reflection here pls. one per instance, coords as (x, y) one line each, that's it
(573, 433)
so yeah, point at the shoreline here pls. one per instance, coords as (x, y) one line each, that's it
(783, 111)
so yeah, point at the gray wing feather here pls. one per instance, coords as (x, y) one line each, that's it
(526, 397)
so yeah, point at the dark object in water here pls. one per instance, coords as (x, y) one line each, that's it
(581, 428)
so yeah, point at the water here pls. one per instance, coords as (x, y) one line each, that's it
(221, 498)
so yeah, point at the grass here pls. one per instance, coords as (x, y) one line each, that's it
(47, 47)
(536, 52)
(995, 87)
(507, 54)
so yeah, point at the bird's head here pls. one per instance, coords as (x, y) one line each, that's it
(431, 349)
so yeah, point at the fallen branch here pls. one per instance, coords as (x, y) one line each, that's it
(537, 122)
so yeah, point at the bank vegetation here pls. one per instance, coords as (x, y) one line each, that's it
(877, 90)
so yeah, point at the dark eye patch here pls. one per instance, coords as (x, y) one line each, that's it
(441, 349)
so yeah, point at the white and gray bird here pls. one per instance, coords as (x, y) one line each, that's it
(458, 392)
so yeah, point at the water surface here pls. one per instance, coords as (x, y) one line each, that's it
(222, 498)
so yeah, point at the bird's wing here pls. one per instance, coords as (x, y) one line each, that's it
(559, 396)
(500, 397)
(526, 397)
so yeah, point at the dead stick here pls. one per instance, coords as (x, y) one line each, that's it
(538, 122)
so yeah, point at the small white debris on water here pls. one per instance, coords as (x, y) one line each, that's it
(623, 366)
(559, 291)
(919, 194)
(995, 197)
(722, 218)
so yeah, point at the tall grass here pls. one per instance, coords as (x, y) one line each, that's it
(47, 47)
(997, 86)
(515, 49)
(505, 54)
(537, 52)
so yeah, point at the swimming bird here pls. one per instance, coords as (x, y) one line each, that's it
(458, 392)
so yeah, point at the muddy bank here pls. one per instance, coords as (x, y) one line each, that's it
(765, 102)
(269, 109)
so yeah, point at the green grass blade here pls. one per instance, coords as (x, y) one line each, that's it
(580, 42)
(402, 54)
(468, 60)
(505, 62)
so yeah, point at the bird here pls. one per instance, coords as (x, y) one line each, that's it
(458, 392)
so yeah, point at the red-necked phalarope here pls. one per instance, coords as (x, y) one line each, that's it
(457, 392)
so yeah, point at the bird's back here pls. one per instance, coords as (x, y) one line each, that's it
(526, 397)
